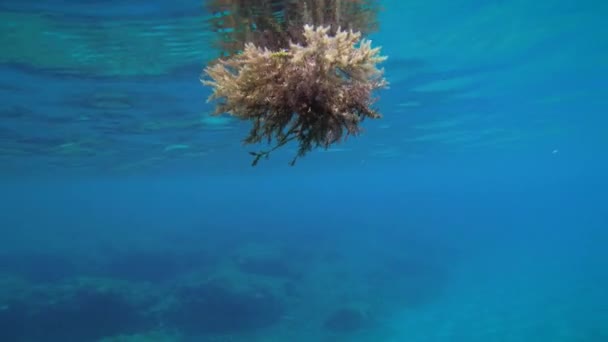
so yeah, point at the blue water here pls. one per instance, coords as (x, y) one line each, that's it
(474, 210)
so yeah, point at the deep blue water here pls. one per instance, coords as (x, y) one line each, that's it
(474, 210)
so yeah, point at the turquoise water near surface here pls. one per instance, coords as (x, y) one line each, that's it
(474, 210)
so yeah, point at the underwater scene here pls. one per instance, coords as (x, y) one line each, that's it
(303, 171)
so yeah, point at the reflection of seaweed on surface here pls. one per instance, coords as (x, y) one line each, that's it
(274, 23)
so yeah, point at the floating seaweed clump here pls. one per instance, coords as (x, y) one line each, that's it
(315, 92)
